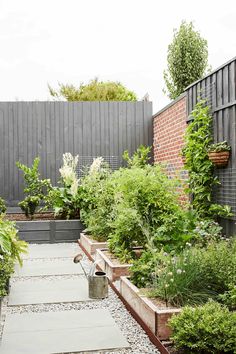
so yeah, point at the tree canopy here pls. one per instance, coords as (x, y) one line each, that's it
(187, 59)
(95, 90)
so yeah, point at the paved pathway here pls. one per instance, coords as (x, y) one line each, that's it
(49, 310)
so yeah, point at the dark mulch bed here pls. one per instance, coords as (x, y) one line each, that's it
(37, 216)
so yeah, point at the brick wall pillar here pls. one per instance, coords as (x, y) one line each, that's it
(168, 128)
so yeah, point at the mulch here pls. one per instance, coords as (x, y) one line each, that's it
(37, 216)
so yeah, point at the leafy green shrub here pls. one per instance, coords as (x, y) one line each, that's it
(10, 251)
(3, 207)
(140, 157)
(95, 193)
(65, 199)
(144, 200)
(143, 272)
(10, 244)
(201, 181)
(196, 274)
(35, 189)
(206, 329)
(6, 270)
(207, 230)
(229, 297)
(95, 90)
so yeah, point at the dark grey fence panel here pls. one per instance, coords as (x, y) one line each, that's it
(219, 90)
(49, 129)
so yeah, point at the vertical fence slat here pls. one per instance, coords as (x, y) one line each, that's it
(221, 85)
(48, 129)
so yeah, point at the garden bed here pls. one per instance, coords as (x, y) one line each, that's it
(37, 216)
(90, 245)
(154, 314)
(49, 231)
(111, 265)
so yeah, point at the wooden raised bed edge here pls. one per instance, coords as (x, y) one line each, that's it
(156, 319)
(90, 245)
(156, 341)
(113, 271)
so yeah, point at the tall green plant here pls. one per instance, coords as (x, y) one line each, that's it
(10, 244)
(144, 200)
(139, 158)
(186, 60)
(35, 187)
(65, 199)
(3, 207)
(201, 180)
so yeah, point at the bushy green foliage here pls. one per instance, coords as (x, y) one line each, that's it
(206, 329)
(3, 207)
(140, 157)
(186, 59)
(97, 217)
(10, 244)
(196, 274)
(65, 199)
(96, 199)
(229, 297)
(10, 251)
(201, 180)
(222, 146)
(6, 270)
(145, 270)
(35, 187)
(94, 91)
(144, 200)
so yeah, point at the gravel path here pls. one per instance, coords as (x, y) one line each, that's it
(137, 338)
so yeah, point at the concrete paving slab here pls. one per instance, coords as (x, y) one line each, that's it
(46, 291)
(55, 250)
(40, 267)
(61, 332)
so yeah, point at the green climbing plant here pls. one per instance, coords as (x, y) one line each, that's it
(201, 180)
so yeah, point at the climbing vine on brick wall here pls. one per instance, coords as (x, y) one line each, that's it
(201, 181)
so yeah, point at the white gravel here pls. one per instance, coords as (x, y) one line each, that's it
(137, 338)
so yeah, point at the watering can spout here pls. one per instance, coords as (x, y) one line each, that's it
(78, 258)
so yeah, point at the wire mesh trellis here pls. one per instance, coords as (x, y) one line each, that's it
(85, 162)
(225, 193)
(206, 94)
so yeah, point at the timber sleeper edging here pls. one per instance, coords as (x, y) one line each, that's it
(90, 245)
(155, 318)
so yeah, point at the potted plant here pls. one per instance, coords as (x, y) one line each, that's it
(219, 153)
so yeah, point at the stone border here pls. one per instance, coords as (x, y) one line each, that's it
(90, 245)
(151, 315)
(49, 231)
(114, 272)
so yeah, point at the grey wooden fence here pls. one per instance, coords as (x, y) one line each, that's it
(219, 89)
(48, 129)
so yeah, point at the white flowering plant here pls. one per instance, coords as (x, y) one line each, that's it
(96, 198)
(65, 199)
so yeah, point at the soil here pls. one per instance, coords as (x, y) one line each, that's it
(114, 259)
(169, 346)
(93, 240)
(37, 216)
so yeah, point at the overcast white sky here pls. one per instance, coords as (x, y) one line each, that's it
(51, 41)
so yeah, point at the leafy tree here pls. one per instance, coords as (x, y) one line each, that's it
(94, 91)
(187, 59)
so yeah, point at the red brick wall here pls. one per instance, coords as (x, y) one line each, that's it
(169, 126)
